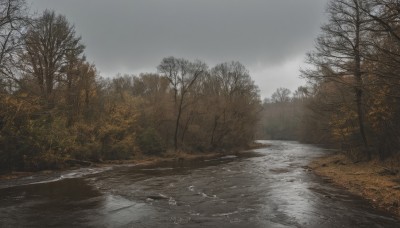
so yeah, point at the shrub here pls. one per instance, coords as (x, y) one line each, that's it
(150, 142)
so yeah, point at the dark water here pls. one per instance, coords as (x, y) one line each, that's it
(268, 188)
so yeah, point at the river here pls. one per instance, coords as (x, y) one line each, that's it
(266, 188)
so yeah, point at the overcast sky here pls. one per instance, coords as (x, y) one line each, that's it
(270, 37)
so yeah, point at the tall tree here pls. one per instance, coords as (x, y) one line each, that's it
(384, 75)
(13, 19)
(386, 14)
(238, 104)
(182, 74)
(51, 47)
(340, 52)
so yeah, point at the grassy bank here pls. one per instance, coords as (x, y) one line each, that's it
(378, 182)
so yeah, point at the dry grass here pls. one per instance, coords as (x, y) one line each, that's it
(372, 180)
(15, 175)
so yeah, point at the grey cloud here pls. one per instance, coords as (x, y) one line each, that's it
(134, 35)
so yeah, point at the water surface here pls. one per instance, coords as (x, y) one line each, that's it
(267, 188)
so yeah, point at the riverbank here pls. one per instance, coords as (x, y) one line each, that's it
(375, 181)
(142, 160)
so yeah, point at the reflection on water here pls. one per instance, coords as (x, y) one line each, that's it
(51, 204)
(267, 188)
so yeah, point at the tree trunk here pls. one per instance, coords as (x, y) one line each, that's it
(178, 119)
(359, 85)
(361, 124)
(213, 131)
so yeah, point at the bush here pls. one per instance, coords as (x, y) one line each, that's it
(121, 150)
(150, 142)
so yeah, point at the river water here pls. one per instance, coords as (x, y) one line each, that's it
(266, 188)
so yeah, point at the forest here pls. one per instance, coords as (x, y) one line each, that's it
(55, 107)
(352, 97)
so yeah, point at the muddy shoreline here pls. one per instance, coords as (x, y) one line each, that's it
(377, 182)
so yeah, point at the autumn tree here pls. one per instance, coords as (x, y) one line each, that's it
(383, 79)
(340, 51)
(79, 89)
(156, 120)
(320, 106)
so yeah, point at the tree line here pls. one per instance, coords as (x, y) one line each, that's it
(55, 107)
(282, 115)
(353, 94)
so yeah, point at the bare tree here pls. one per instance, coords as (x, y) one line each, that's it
(386, 14)
(340, 52)
(281, 95)
(237, 102)
(51, 47)
(182, 74)
(13, 19)
(383, 68)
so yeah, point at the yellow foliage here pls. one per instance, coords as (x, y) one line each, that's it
(379, 108)
(341, 123)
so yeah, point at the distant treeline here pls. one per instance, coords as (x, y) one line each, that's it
(55, 107)
(353, 96)
(282, 115)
